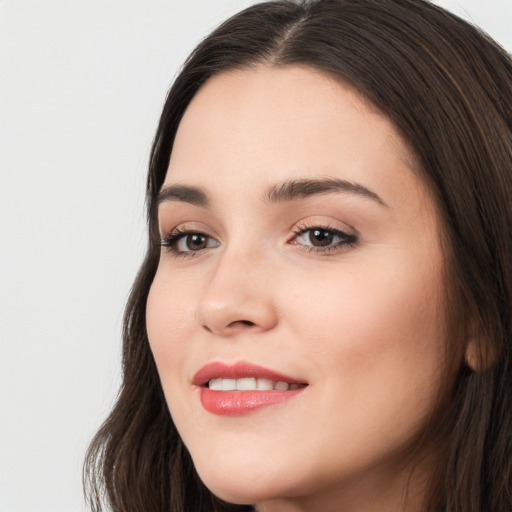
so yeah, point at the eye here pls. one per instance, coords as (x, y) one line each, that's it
(183, 242)
(323, 239)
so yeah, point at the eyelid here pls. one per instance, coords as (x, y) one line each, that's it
(348, 236)
(177, 233)
(327, 223)
(342, 236)
(189, 226)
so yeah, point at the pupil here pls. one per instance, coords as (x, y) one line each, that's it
(195, 242)
(320, 237)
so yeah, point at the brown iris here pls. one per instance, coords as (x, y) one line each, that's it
(320, 237)
(196, 242)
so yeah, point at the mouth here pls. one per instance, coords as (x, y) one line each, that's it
(251, 384)
(243, 376)
(234, 390)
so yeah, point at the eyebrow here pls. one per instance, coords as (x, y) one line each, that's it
(283, 192)
(183, 193)
(298, 189)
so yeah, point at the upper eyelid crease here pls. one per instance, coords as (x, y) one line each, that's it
(283, 192)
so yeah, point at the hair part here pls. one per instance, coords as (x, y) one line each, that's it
(447, 88)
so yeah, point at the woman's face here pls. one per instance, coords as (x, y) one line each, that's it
(301, 252)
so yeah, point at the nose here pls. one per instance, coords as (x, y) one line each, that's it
(238, 298)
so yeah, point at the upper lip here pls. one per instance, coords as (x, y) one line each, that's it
(239, 370)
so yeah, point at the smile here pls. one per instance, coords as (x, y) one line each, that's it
(242, 388)
(250, 384)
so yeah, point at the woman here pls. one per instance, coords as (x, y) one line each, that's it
(322, 320)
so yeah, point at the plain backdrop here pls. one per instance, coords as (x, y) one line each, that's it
(81, 88)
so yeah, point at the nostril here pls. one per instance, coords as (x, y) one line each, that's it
(247, 323)
(232, 326)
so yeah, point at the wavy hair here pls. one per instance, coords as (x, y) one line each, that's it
(447, 87)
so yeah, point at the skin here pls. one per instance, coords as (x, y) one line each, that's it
(360, 323)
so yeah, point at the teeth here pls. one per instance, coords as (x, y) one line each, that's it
(246, 384)
(215, 384)
(228, 384)
(249, 384)
(265, 385)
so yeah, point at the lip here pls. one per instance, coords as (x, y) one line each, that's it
(238, 403)
(239, 370)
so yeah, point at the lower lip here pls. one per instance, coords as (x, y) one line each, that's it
(238, 403)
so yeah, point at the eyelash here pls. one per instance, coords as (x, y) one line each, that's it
(175, 236)
(346, 240)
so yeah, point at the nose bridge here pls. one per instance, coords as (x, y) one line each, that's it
(238, 295)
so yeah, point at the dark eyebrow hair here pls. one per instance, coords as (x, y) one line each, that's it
(287, 191)
(297, 189)
(184, 193)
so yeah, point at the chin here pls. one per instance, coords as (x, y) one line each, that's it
(240, 483)
(237, 489)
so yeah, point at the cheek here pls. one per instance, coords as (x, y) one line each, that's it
(169, 314)
(374, 341)
(376, 329)
(382, 301)
(168, 321)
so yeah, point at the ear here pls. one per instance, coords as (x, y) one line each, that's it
(473, 355)
(480, 355)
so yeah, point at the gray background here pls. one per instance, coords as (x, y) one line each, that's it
(81, 88)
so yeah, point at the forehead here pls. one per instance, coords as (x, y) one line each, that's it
(265, 125)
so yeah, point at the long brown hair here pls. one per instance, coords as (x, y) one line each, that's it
(447, 87)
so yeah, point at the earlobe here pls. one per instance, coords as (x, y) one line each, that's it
(480, 356)
(473, 355)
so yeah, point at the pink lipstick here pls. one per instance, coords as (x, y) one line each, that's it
(241, 388)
